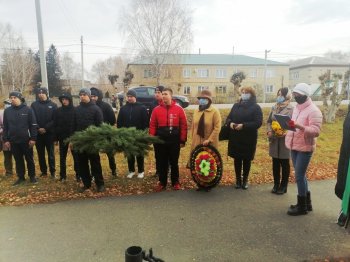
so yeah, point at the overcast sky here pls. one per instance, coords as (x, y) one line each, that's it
(291, 29)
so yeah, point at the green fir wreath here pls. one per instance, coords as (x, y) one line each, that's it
(109, 139)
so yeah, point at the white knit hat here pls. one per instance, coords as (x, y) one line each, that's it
(302, 88)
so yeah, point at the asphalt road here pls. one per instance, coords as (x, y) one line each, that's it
(223, 225)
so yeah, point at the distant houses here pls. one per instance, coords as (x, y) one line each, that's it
(189, 74)
(308, 70)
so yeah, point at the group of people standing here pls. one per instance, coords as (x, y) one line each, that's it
(43, 123)
(244, 120)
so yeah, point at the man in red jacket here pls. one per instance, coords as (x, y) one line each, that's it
(168, 122)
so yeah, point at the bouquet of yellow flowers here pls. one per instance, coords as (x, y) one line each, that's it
(277, 129)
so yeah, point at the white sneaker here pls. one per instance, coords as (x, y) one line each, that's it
(141, 175)
(130, 175)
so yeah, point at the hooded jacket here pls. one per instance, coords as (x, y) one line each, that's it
(107, 110)
(44, 111)
(63, 119)
(19, 124)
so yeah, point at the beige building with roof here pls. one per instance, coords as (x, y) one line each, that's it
(189, 74)
(308, 70)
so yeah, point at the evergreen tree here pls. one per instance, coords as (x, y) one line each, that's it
(54, 71)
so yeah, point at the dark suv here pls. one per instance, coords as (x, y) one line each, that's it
(145, 95)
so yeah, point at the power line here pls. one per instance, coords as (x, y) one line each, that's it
(73, 24)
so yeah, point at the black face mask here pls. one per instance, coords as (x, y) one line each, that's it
(300, 99)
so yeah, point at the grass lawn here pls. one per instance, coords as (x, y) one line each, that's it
(323, 166)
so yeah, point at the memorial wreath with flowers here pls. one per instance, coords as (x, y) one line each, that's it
(206, 166)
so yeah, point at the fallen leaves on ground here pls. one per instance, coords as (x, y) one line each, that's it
(48, 190)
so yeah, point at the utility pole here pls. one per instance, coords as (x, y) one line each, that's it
(41, 45)
(82, 62)
(265, 68)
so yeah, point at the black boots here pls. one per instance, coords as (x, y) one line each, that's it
(275, 189)
(238, 182)
(308, 202)
(343, 220)
(282, 190)
(298, 209)
(245, 182)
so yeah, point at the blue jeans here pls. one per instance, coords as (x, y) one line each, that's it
(301, 161)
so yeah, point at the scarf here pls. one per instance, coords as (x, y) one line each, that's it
(279, 106)
(200, 129)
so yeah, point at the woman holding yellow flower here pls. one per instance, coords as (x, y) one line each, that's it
(277, 150)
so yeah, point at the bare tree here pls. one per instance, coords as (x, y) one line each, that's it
(18, 67)
(333, 92)
(113, 66)
(70, 68)
(159, 28)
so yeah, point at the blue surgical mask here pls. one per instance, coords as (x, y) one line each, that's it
(245, 97)
(203, 102)
(280, 99)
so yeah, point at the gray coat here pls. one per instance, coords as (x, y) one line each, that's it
(277, 147)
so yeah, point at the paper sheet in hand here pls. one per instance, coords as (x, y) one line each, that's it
(283, 120)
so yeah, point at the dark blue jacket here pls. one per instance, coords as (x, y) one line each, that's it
(133, 115)
(19, 124)
(63, 119)
(44, 111)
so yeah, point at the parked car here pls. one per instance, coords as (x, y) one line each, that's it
(145, 95)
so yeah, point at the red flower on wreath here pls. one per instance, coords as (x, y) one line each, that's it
(205, 167)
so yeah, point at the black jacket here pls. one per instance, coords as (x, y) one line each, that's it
(87, 114)
(343, 163)
(63, 120)
(44, 111)
(107, 110)
(242, 143)
(19, 124)
(133, 115)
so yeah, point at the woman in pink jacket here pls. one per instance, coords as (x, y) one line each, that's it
(307, 119)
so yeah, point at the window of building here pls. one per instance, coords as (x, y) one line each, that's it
(253, 73)
(147, 73)
(203, 73)
(186, 73)
(200, 88)
(187, 90)
(295, 75)
(270, 73)
(269, 89)
(220, 90)
(221, 73)
(167, 73)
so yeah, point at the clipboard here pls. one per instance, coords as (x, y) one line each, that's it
(283, 120)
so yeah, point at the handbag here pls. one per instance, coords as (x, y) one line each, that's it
(224, 133)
